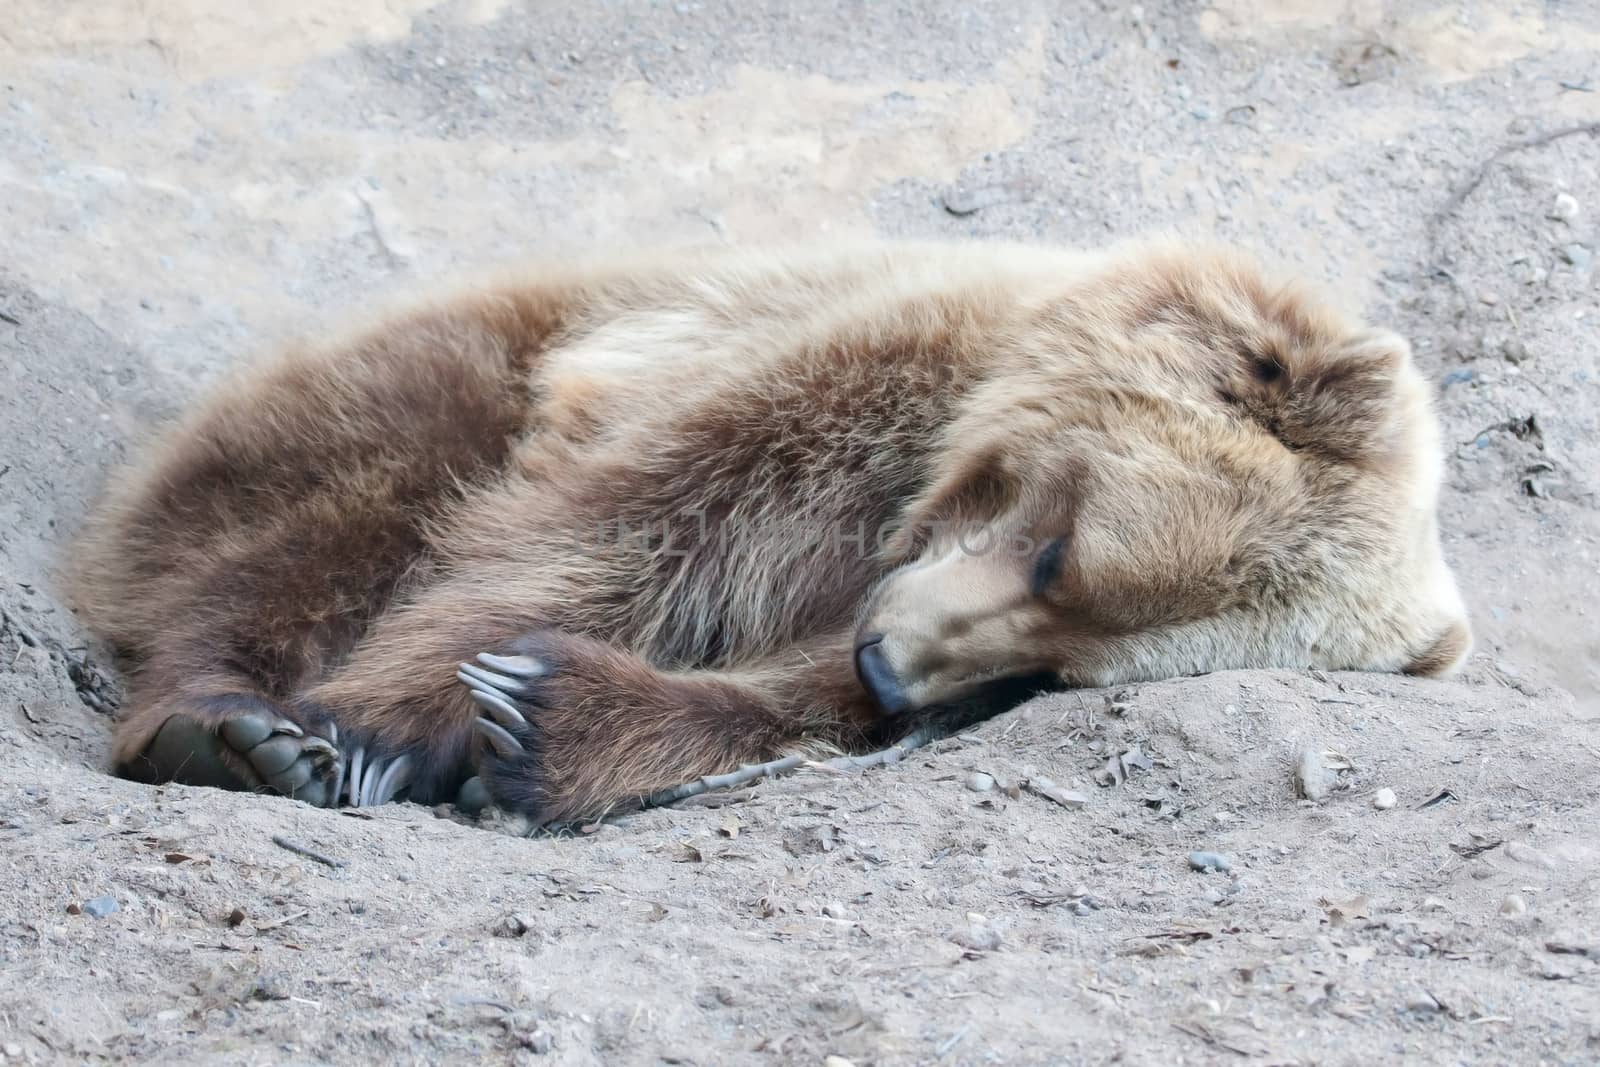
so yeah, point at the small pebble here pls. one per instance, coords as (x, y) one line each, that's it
(1209, 861)
(1565, 208)
(1513, 904)
(101, 906)
(1067, 798)
(1310, 774)
(13, 1049)
(977, 935)
(1528, 854)
(1384, 799)
(835, 910)
(1215, 895)
(511, 925)
(1222, 818)
(836, 1061)
(979, 782)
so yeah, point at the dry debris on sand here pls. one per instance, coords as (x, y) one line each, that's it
(1265, 866)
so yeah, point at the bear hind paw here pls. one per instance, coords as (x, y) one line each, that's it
(245, 745)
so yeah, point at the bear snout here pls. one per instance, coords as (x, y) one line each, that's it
(877, 676)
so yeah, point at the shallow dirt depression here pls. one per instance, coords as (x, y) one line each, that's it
(184, 190)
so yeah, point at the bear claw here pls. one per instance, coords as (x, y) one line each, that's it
(494, 691)
(505, 688)
(518, 666)
(498, 707)
(500, 738)
(482, 681)
(375, 781)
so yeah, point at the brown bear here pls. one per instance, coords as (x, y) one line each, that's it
(592, 531)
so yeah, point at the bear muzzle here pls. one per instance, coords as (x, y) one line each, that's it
(877, 676)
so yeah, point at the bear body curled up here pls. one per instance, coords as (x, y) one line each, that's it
(588, 532)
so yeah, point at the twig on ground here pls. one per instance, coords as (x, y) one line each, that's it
(308, 853)
(951, 1042)
(751, 772)
(885, 757)
(1479, 173)
(375, 228)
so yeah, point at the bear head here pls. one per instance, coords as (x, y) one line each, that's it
(1177, 465)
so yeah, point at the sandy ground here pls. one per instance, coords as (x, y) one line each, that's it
(182, 185)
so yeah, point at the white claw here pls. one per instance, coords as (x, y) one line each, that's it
(480, 679)
(333, 732)
(357, 761)
(753, 771)
(519, 666)
(394, 779)
(499, 738)
(499, 708)
(369, 787)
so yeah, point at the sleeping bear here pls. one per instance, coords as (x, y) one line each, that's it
(595, 529)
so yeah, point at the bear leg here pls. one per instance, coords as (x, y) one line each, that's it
(573, 726)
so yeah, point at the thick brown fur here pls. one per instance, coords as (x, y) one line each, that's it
(667, 481)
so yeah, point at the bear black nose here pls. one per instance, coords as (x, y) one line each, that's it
(872, 667)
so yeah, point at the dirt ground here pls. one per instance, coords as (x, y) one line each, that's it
(183, 184)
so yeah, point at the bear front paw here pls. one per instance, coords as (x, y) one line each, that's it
(574, 727)
(527, 698)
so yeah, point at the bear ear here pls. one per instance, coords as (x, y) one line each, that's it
(1346, 403)
(1380, 352)
(973, 484)
(1445, 653)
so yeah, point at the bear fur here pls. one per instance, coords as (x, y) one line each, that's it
(718, 506)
